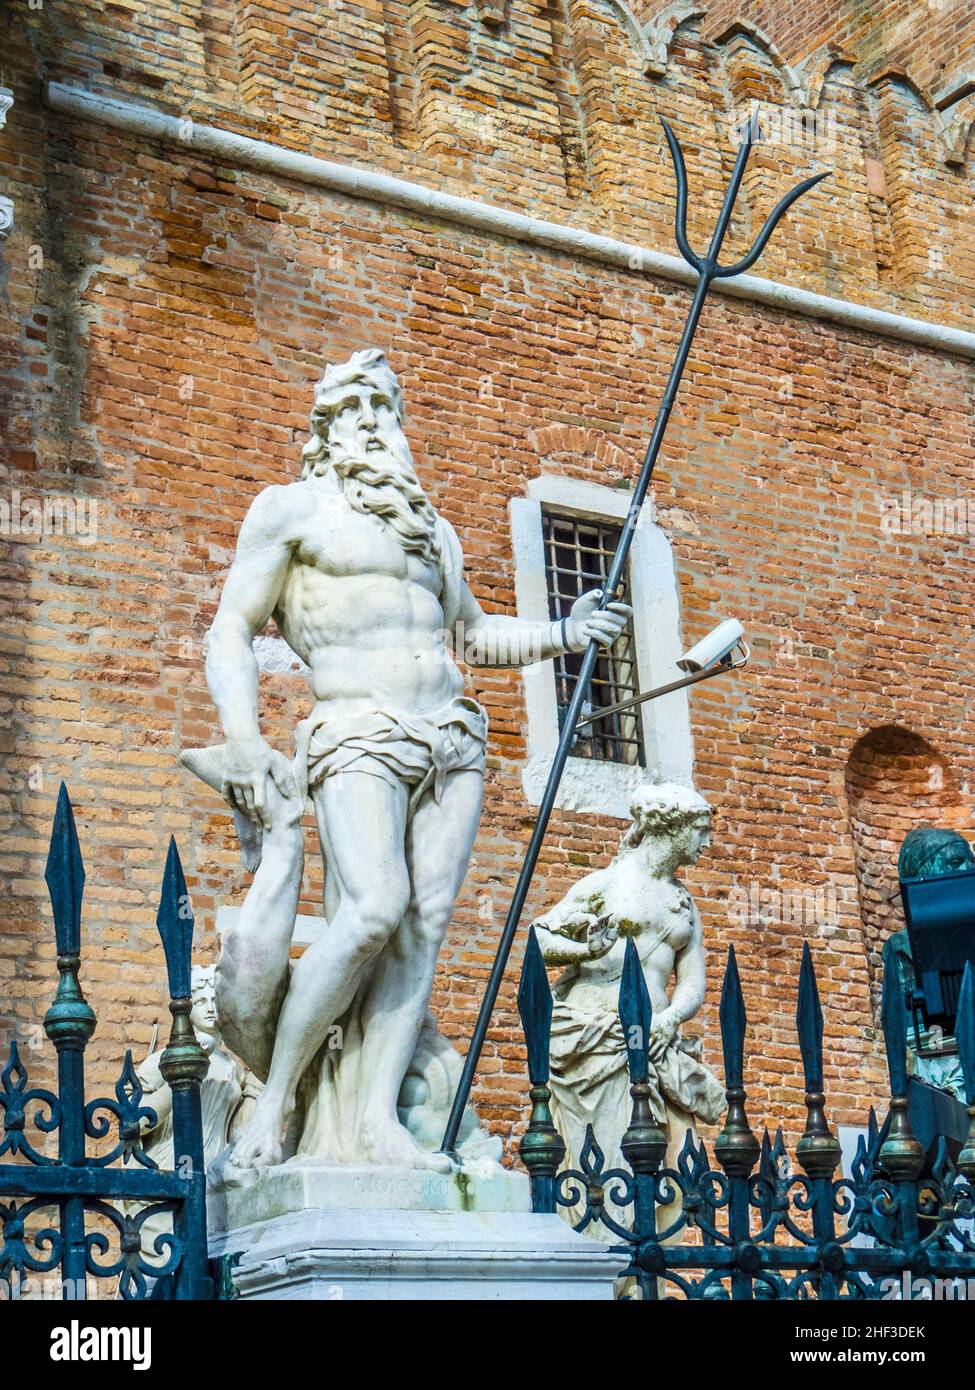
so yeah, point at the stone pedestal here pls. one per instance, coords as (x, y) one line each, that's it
(305, 1231)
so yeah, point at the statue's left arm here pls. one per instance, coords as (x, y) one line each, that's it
(496, 639)
(688, 992)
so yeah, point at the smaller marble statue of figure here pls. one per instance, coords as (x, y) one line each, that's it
(228, 1094)
(927, 852)
(637, 895)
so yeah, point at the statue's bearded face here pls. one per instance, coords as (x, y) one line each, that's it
(365, 426)
(363, 444)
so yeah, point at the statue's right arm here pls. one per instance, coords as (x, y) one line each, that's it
(569, 933)
(249, 597)
(558, 949)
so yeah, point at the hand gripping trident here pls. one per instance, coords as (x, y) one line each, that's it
(708, 269)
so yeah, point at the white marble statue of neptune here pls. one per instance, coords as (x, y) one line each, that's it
(365, 582)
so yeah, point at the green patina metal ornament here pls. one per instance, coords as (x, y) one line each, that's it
(929, 852)
(644, 1142)
(542, 1148)
(736, 1147)
(818, 1151)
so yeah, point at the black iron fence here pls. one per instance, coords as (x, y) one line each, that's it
(751, 1226)
(61, 1218)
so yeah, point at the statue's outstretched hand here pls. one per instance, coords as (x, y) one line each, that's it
(247, 767)
(602, 935)
(586, 620)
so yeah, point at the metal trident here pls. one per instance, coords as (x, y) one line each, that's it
(708, 269)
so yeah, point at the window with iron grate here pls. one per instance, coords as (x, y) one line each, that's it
(578, 554)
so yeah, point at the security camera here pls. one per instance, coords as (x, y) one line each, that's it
(716, 648)
(710, 657)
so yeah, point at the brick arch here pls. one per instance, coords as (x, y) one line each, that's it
(895, 781)
(578, 442)
(755, 69)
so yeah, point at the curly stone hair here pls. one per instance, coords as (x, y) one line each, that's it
(660, 808)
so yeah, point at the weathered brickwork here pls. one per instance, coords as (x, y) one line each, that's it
(164, 318)
(930, 45)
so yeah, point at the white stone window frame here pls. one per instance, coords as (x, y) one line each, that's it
(591, 785)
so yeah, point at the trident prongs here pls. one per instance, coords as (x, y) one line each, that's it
(680, 216)
(708, 265)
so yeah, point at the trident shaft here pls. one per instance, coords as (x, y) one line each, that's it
(708, 269)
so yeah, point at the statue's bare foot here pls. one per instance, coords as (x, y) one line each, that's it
(388, 1142)
(260, 1143)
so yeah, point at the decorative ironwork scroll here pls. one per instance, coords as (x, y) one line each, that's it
(78, 1215)
(753, 1225)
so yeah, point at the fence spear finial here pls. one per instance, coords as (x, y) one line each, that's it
(542, 1148)
(65, 877)
(70, 1021)
(736, 1147)
(818, 1151)
(174, 921)
(644, 1143)
(901, 1154)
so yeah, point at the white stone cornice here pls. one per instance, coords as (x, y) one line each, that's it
(243, 151)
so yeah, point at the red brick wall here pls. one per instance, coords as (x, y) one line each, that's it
(931, 42)
(159, 360)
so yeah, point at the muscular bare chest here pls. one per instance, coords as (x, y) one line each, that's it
(350, 578)
(340, 542)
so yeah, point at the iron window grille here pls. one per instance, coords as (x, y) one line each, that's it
(578, 554)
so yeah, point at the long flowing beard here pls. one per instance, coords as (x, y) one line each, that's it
(386, 486)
